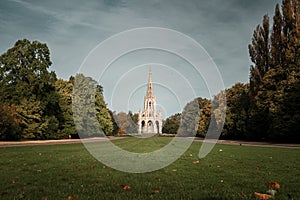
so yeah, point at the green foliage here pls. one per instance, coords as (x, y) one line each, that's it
(102, 112)
(27, 84)
(65, 89)
(237, 112)
(274, 78)
(115, 126)
(34, 104)
(9, 123)
(268, 107)
(24, 72)
(172, 123)
(30, 115)
(91, 116)
(205, 107)
(189, 119)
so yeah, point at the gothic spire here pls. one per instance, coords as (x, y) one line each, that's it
(150, 88)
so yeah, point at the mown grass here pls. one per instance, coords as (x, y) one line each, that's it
(69, 171)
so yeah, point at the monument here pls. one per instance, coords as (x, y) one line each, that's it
(150, 120)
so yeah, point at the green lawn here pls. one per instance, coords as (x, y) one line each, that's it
(62, 171)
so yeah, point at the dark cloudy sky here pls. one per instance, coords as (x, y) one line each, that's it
(72, 29)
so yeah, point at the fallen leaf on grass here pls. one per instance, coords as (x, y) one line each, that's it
(71, 197)
(274, 185)
(262, 196)
(45, 198)
(155, 191)
(174, 170)
(92, 167)
(126, 187)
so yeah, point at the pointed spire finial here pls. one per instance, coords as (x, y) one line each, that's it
(150, 88)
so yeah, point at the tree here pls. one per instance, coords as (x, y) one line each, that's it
(64, 90)
(9, 123)
(172, 124)
(237, 112)
(90, 113)
(190, 117)
(198, 115)
(277, 44)
(26, 83)
(102, 111)
(274, 113)
(205, 107)
(24, 72)
(259, 54)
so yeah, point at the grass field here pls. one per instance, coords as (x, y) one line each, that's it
(70, 172)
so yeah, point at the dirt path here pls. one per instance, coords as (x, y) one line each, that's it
(258, 144)
(73, 141)
(53, 142)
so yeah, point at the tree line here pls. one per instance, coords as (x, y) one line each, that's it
(268, 107)
(34, 103)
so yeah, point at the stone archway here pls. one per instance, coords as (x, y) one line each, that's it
(157, 127)
(143, 126)
(150, 126)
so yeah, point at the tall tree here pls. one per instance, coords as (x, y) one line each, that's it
(259, 54)
(26, 83)
(277, 44)
(90, 113)
(24, 72)
(271, 115)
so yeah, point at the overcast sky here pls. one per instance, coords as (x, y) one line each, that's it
(72, 29)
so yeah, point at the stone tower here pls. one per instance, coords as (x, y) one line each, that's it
(150, 121)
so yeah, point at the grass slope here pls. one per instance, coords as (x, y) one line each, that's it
(70, 172)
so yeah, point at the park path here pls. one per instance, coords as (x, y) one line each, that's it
(96, 139)
(53, 142)
(258, 144)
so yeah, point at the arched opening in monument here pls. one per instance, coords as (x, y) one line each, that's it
(157, 126)
(150, 127)
(143, 126)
